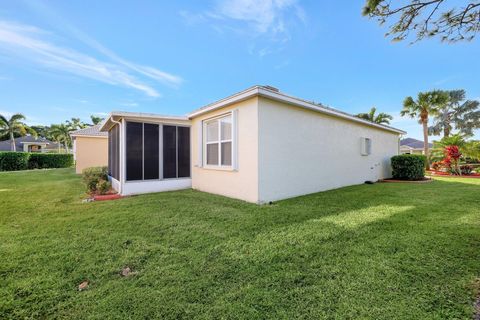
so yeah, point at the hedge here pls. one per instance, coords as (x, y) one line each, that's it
(49, 160)
(408, 166)
(12, 161)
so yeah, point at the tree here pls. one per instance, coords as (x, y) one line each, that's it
(427, 103)
(381, 118)
(426, 18)
(469, 148)
(42, 131)
(95, 119)
(465, 116)
(75, 124)
(61, 134)
(14, 127)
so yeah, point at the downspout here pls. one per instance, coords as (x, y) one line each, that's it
(119, 155)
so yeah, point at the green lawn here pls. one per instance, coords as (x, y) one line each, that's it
(383, 251)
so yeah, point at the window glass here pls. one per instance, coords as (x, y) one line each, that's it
(369, 146)
(113, 152)
(212, 131)
(183, 152)
(218, 144)
(151, 151)
(226, 153)
(169, 152)
(226, 125)
(134, 151)
(212, 154)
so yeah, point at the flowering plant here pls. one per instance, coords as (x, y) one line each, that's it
(451, 160)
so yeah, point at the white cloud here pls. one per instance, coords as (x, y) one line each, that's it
(265, 16)
(28, 119)
(269, 19)
(6, 114)
(28, 43)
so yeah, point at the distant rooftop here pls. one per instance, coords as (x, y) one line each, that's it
(93, 131)
(413, 143)
(6, 144)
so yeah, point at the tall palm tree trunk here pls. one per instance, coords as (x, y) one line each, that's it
(425, 142)
(13, 147)
(446, 132)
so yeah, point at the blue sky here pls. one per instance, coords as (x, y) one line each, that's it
(63, 59)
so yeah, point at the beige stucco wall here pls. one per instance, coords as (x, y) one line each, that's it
(90, 152)
(243, 182)
(302, 151)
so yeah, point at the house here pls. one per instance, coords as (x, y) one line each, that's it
(412, 146)
(90, 148)
(258, 145)
(29, 144)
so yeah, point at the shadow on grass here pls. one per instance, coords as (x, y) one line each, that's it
(371, 251)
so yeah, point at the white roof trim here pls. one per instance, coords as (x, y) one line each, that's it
(262, 91)
(140, 115)
(87, 136)
(34, 142)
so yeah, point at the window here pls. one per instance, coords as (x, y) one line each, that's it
(169, 152)
(183, 152)
(114, 152)
(150, 151)
(366, 146)
(176, 152)
(218, 141)
(134, 151)
(152, 146)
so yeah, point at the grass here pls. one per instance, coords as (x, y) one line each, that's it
(383, 251)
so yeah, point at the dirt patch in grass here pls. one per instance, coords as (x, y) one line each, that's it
(424, 180)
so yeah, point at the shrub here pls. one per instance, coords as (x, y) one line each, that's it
(49, 160)
(466, 169)
(408, 167)
(437, 165)
(92, 176)
(103, 186)
(11, 161)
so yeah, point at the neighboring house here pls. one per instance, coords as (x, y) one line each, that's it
(29, 144)
(90, 148)
(258, 145)
(412, 146)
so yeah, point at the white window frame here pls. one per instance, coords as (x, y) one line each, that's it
(219, 142)
(366, 146)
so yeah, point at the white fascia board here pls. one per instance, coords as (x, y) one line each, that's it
(117, 115)
(260, 91)
(243, 95)
(307, 105)
(87, 136)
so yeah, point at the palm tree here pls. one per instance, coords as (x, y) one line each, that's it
(14, 127)
(465, 116)
(75, 124)
(427, 103)
(61, 134)
(381, 118)
(95, 119)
